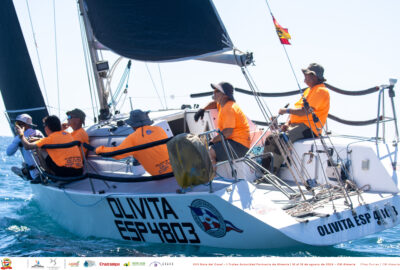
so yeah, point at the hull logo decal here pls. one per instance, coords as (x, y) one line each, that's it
(210, 220)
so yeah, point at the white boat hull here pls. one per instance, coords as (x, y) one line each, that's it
(236, 216)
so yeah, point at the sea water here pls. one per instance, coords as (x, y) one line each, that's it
(27, 231)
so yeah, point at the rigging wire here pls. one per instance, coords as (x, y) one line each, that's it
(162, 85)
(109, 77)
(37, 53)
(279, 142)
(346, 195)
(286, 53)
(154, 85)
(125, 92)
(93, 100)
(56, 51)
(119, 87)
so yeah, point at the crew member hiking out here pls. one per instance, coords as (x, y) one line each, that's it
(29, 169)
(65, 162)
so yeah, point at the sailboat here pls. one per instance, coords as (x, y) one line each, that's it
(331, 190)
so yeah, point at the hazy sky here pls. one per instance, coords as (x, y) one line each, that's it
(357, 41)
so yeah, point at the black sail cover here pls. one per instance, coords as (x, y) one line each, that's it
(158, 30)
(18, 84)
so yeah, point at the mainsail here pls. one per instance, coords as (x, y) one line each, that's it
(18, 83)
(158, 30)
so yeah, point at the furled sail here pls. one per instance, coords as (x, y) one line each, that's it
(158, 30)
(18, 84)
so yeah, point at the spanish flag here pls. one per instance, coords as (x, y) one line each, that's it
(283, 33)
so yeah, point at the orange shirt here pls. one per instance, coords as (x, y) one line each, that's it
(155, 159)
(318, 98)
(82, 136)
(231, 116)
(63, 157)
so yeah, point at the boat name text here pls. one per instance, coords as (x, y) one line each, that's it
(358, 220)
(138, 218)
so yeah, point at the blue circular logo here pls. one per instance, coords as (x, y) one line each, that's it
(208, 218)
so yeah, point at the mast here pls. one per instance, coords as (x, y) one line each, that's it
(99, 67)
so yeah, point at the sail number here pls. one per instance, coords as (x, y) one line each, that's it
(138, 219)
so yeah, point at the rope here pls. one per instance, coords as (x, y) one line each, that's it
(284, 48)
(55, 45)
(154, 85)
(334, 118)
(247, 92)
(295, 92)
(353, 93)
(277, 94)
(37, 52)
(162, 85)
(354, 123)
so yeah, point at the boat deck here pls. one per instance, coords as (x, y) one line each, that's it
(323, 207)
(164, 186)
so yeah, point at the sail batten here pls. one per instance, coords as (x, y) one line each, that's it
(158, 30)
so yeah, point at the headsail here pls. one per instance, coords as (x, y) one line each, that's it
(18, 83)
(158, 30)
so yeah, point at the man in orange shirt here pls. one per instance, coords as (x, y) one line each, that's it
(154, 160)
(300, 124)
(62, 161)
(76, 118)
(232, 122)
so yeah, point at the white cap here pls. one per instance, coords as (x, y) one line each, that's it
(25, 118)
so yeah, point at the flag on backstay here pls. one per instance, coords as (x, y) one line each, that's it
(283, 33)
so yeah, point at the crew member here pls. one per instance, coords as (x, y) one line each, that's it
(154, 160)
(232, 122)
(300, 124)
(76, 119)
(24, 121)
(61, 161)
